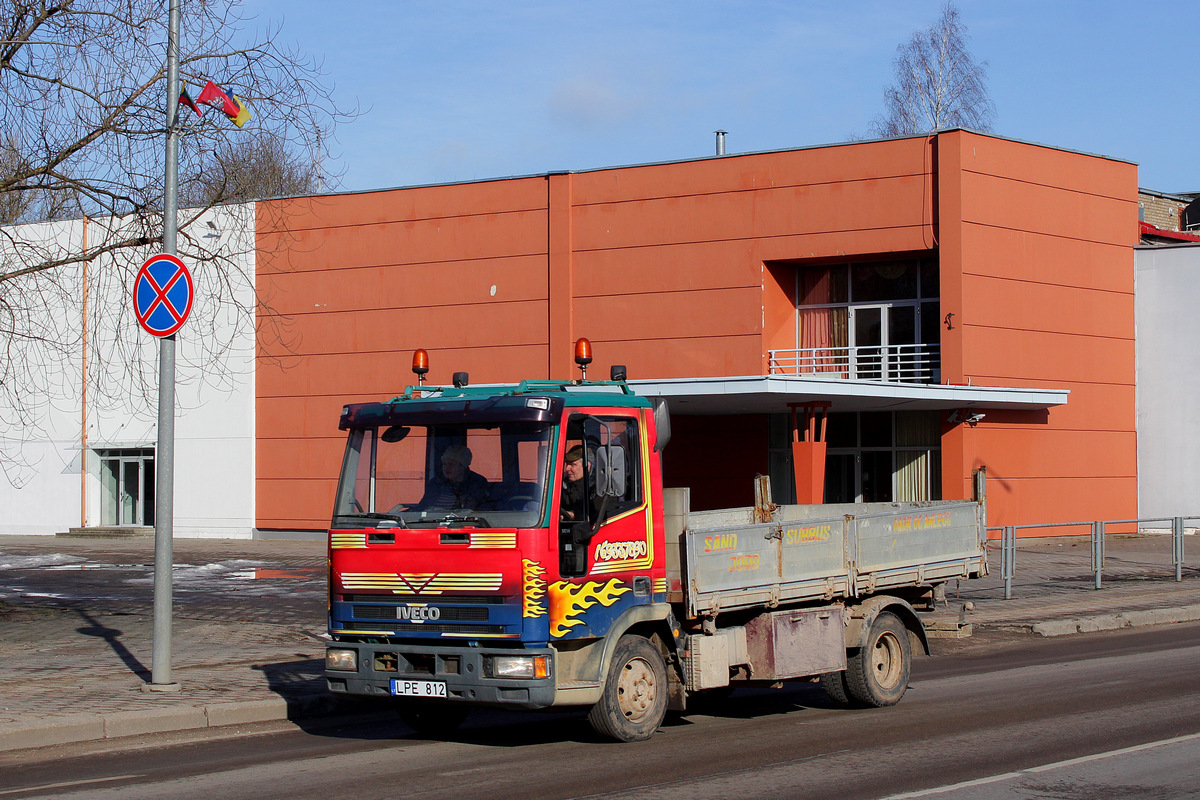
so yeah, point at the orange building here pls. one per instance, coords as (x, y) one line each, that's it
(960, 301)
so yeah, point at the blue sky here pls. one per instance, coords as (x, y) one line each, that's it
(459, 90)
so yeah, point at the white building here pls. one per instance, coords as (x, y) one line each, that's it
(85, 458)
(1167, 297)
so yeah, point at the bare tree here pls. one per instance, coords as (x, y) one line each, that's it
(938, 84)
(245, 169)
(83, 99)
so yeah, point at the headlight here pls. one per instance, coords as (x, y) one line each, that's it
(520, 667)
(341, 659)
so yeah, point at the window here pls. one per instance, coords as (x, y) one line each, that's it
(484, 473)
(868, 320)
(872, 456)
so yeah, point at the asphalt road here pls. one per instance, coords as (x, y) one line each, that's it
(997, 716)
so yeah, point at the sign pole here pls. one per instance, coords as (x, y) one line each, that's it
(164, 454)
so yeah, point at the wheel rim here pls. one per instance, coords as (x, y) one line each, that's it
(637, 690)
(887, 660)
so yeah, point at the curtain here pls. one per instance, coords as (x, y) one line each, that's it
(912, 475)
(824, 334)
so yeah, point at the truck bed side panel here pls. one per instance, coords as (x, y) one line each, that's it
(808, 558)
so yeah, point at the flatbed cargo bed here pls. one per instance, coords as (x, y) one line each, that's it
(823, 553)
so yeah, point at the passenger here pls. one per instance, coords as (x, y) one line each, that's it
(457, 486)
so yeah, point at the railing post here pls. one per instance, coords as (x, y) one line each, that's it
(1008, 558)
(1177, 546)
(1098, 551)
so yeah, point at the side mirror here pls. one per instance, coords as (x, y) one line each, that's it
(395, 433)
(662, 423)
(610, 471)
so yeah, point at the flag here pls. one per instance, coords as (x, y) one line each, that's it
(187, 100)
(227, 103)
(220, 99)
(243, 112)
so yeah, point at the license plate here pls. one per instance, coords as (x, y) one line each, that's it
(418, 688)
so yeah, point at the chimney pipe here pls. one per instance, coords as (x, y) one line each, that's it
(721, 142)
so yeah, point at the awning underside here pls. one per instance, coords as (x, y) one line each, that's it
(767, 394)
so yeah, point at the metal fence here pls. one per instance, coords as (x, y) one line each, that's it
(899, 363)
(1098, 530)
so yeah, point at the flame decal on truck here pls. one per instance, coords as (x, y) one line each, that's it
(533, 586)
(569, 601)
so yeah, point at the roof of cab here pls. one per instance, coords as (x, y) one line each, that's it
(573, 393)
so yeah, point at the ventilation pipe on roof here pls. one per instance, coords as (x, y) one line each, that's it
(721, 142)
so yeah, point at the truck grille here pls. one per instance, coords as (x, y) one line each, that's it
(446, 613)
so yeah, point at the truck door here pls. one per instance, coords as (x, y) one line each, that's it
(607, 555)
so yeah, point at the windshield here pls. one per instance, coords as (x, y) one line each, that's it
(479, 475)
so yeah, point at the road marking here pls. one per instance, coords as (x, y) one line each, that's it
(66, 784)
(1070, 762)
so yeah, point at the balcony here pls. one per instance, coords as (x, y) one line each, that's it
(898, 363)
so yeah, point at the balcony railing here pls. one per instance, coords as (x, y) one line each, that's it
(898, 363)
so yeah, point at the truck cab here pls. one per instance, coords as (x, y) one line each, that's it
(466, 569)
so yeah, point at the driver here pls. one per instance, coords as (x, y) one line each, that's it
(458, 486)
(573, 490)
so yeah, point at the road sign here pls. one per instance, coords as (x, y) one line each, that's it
(162, 295)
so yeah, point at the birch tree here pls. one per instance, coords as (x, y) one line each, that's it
(938, 83)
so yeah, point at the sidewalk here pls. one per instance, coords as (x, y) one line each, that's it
(76, 661)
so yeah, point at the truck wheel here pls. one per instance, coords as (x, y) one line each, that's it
(834, 684)
(878, 674)
(635, 694)
(435, 720)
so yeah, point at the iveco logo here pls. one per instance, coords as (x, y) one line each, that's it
(418, 613)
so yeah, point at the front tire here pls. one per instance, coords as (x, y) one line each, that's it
(877, 675)
(634, 701)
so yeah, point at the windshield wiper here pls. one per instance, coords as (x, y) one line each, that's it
(376, 515)
(478, 522)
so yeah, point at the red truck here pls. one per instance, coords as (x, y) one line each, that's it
(468, 569)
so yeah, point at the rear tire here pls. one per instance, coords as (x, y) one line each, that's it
(877, 675)
(432, 719)
(634, 701)
(834, 684)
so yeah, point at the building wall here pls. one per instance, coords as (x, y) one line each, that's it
(1161, 212)
(684, 270)
(1168, 411)
(1037, 268)
(717, 458)
(363, 280)
(660, 266)
(42, 490)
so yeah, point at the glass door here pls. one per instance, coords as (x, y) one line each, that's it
(867, 342)
(127, 487)
(878, 335)
(901, 336)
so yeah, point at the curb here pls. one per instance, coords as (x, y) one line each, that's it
(1103, 622)
(93, 727)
